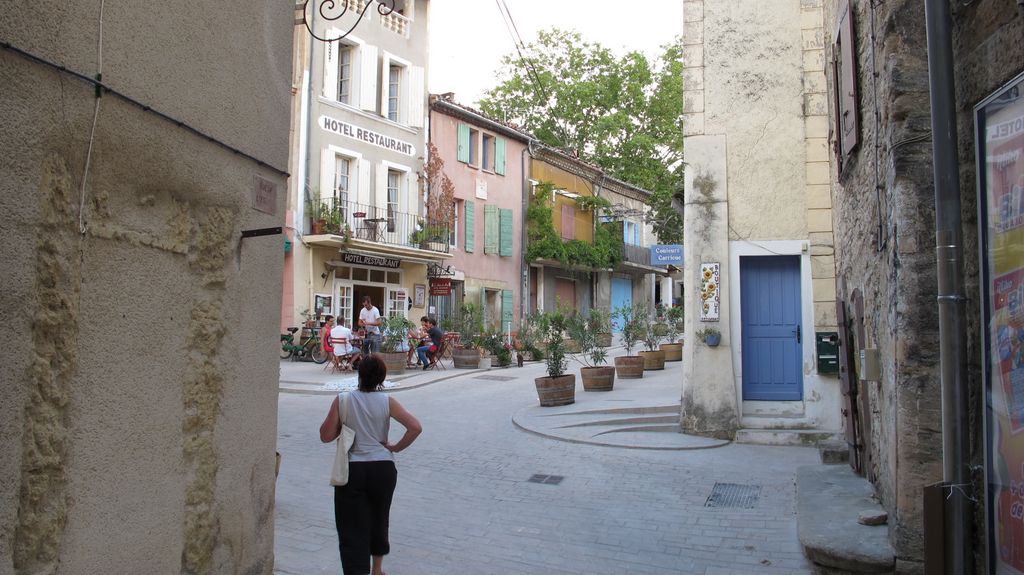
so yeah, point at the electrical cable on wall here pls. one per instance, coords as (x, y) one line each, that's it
(92, 131)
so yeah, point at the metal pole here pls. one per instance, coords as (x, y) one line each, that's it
(949, 267)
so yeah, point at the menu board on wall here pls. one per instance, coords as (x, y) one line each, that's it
(1000, 149)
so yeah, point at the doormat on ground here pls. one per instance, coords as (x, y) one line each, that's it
(734, 495)
(351, 384)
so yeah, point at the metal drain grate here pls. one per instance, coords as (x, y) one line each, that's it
(734, 495)
(494, 377)
(546, 479)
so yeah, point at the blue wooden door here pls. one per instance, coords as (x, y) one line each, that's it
(622, 295)
(770, 306)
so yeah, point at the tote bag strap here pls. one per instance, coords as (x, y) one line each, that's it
(343, 407)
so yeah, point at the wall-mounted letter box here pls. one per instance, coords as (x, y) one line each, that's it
(827, 347)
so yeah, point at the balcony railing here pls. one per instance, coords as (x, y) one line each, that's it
(397, 23)
(374, 224)
(636, 254)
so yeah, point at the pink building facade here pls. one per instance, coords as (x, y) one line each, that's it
(486, 162)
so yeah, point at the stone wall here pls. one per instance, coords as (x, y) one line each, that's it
(137, 419)
(884, 218)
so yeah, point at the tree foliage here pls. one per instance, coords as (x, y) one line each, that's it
(623, 114)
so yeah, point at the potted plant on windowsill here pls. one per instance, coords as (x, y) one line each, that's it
(595, 373)
(673, 348)
(557, 387)
(710, 336)
(629, 366)
(654, 358)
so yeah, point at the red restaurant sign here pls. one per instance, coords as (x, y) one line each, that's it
(440, 286)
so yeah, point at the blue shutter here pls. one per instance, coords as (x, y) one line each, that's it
(505, 223)
(506, 308)
(499, 156)
(490, 229)
(470, 225)
(464, 143)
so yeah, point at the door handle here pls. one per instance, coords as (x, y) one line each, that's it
(798, 333)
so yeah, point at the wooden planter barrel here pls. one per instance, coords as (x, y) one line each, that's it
(600, 378)
(673, 351)
(653, 359)
(554, 391)
(395, 362)
(629, 366)
(604, 339)
(466, 358)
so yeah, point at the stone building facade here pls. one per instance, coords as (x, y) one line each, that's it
(137, 418)
(757, 206)
(883, 202)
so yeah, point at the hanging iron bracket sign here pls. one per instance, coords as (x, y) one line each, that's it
(329, 11)
(439, 271)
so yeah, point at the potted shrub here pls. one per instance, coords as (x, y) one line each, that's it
(675, 315)
(468, 324)
(595, 373)
(601, 324)
(710, 336)
(394, 331)
(629, 366)
(318, 214)
(660, 324)
(492, 345)
(654, 358)
(673, 348)
(529, 337)
(557, 387)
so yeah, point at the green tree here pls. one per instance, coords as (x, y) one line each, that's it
(623, 114)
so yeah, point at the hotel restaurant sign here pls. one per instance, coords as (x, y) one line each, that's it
(333, 126)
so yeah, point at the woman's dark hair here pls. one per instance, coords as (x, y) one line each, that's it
(372, 372)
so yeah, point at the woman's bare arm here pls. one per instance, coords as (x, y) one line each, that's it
(411, 424)
(331, 427)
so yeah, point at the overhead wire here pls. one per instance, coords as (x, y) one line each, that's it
(540, 90)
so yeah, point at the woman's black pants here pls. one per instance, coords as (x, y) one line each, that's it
(361, 510)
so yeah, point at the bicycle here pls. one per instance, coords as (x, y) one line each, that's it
(309, 350)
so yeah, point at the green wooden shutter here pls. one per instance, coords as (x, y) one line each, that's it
(464, 143)
(506, 308)
(470, 227)
(505, 218)
(499, 156)
(490, 229)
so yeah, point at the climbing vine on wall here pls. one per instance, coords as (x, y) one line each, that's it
(543, 241)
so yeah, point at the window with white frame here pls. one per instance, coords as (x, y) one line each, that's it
(394, 189)
(345, 69)
(342, 185)
(394, 92)
(453, 236)
(487, 152)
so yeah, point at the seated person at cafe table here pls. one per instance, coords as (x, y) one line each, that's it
(413, 340)
(429, 325)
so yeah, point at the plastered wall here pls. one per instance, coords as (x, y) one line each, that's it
(137, 419)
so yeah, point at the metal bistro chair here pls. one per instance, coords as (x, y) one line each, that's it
(450, 340)
(436, 357)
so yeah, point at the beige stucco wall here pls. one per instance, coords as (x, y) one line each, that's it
(137, 419)
(755, 108)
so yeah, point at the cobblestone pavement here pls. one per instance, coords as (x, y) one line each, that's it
(464, 504)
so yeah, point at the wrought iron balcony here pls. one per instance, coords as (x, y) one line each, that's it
(636, 254)
(366, 223)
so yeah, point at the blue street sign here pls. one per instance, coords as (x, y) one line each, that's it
(666, 254)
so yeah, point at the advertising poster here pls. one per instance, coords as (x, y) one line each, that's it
(1000, 137)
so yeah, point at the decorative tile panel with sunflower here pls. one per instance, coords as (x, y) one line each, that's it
(710, 276)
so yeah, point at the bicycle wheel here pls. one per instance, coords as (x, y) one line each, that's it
(317, 353)
(286, 350)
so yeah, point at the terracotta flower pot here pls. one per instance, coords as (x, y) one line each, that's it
(629, 366)
(673, 351)
(653, 360)
(554, 391)
(600, 378)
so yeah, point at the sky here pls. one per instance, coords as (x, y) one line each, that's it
(469, 37)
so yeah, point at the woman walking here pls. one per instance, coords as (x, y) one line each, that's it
(363, 505)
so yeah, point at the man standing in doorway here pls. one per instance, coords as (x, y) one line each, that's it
(369, 320)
